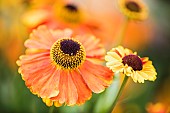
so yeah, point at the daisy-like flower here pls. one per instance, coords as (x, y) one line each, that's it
(125, 61)
(62, 68)
(133, 9)
(60, 15)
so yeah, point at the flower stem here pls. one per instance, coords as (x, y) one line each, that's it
(51, 109)
(122, 32)
(119, 93)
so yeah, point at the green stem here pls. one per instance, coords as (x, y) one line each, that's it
(122, 32)
(51, 109)
(119, 93)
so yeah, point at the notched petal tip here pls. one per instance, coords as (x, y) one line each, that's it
(47, 101)
(57, 104)
(18, 62)
(19, 70)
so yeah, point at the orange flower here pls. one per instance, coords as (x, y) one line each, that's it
(105, 23)
(157, 108)
(61, 68)
(60, 15)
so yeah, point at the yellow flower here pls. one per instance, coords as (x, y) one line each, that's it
(133, 9)
(125, 61)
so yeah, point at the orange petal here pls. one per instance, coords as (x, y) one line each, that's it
(44, 82)
(30, 43)
(50, 86)
(96, 81)
(72, 95)
(35, 66)
(102, 72)
(67, 90)
(84, 93)
(92, 44)
(39, 74)
(36, 56)
(40, 38)
(62, 96)
(32, 77)
(34, 62)
(31, 51)
(57, 34)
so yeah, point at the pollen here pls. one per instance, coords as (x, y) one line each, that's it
(133, 61)
(67, 53)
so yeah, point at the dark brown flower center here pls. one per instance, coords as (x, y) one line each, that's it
(133, 6)
(67, 53)
(133, 61)
(68, 13)
(71, 7)
(69, 47)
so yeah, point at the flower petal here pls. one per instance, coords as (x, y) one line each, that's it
(30, 63)
(67, 88)
(112, 56)
(47, 101)
(84, 93)
(97, 77)
(62, 96)
(39, 74)
(72, 95)
(57, 34)
(50, 87)
(149, 69)
(40, 38)
(44, 82)
(92, 44)
(35, 17)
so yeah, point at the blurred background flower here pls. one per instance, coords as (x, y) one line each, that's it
(105, 23)
(102, 18)
(157, 108)
(59, 15)
(12, 31)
